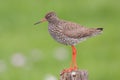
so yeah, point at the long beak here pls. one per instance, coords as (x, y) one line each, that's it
(42, 20)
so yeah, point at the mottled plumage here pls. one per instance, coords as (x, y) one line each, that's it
(68, 33)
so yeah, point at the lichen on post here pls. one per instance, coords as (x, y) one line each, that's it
(74, 75)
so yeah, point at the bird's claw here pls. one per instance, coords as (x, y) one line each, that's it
(69, 70)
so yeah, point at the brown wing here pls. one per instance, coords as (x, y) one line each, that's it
(74, 30)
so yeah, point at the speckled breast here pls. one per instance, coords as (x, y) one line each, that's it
(57, 33)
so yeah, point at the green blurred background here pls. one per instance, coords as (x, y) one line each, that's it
(28, 52)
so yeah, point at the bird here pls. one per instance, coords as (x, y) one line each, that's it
(68, 33)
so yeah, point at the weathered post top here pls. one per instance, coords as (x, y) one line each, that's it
(74, 75)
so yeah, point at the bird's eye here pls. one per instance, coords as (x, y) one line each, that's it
(49, 15)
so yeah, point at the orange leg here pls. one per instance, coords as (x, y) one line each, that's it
(73, 65)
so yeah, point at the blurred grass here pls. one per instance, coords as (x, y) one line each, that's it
(99, 55)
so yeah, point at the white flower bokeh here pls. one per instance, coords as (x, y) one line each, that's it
(50, 77)
(3, 66)
(36, 55)
(60, 54)
(18, 60)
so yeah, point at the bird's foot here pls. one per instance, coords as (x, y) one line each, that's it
(69, 70)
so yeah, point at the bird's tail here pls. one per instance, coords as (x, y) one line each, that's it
(100, 29)
(96, 31)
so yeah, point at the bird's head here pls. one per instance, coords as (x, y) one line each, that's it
(50, 17)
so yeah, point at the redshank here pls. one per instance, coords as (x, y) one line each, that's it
(68, 33)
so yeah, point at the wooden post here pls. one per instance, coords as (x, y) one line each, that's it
(74, 75)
